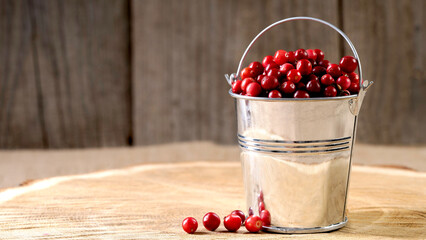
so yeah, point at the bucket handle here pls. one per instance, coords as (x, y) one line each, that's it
(363, 87)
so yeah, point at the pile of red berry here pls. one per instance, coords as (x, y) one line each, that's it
(232, 222)
(299, 74)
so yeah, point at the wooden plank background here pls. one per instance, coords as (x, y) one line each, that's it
(114, 73)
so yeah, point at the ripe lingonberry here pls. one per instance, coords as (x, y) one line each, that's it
(301, 94)
(291, 58)
(267, 60)
(344, 82)
(189, 225)
(286, 67)
(245, 83)
(257, 67)
(353, 77)
(240, 214)
(324, 63)
(334, 70)
(313, 86)
(312, 55)
(270, 66)
(300, 54)
(248, 73)
(320, 55)
(211, 220)
(319, 70)
(274, 94)
(269, 82)
(354, 87)
(253, 224)
(265, 216)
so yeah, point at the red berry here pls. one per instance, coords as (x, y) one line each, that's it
(353, 77)
(291, 58)
(257, 67)
(320, 55)
(313, 86)
(240, 214)
(319, 70)
(259, 78)
(269, 82)
(327, 79)
(304, 66)
(287, 87)
(253, 89)
(253, 224)
(261, 206)
(324, 63)
(344, 82)
(286, 67)
(265, 216)
(294, 75)
(312, 55)
(232, 222)
(311, 77)
(250, 211)
(274, 72)
(354, 87)
(330, 91)
(189, 225)
(270, 66)
(280, 57)
(211, 220)
(301, 94)
(267, 60)
(300, 54)
(245, 83)
(248, 73)
(348, 64)
(274, 94)
(334, 70)
(236, 87)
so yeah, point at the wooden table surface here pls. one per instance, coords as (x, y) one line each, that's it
(149, 201)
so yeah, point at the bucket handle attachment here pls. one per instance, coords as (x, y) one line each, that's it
(363, 86)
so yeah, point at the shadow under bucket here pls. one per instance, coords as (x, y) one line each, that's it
(296, 154)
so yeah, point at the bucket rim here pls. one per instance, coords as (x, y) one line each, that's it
(265, 99)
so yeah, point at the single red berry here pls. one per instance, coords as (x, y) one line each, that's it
(312, 55)
(253, 224)
(301, 94)
(280, 57)
(354, 87)
(253, 89)
(320, 55)
(265, 216)
(300, 85)
(259, 78)
(211, 220)
(313, 62)
(189, 225)
(287, 87)
(245, 83)
(270, 66)
(236, 87)
(240, 214)
(345, 93)
(304, 66)
(327, 79)
(248, 73)
(348, 64)
(319, 70)
(291, 58)
(257, 67)
(311, 77)
(313, 86)
(334, 70)
(274, 72)
(250, 211)
(269, 82)
(274, 94)
(294, 75)
(300, 54)
(330, 91)
(267, 60)
(286, 67)
(232, 222)
(344, 82)
(353, 77)
(261, 206)
(324, 63)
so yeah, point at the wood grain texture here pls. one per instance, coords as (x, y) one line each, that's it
(66, 74)
(150, 201)
(183, 49)
(389, 36)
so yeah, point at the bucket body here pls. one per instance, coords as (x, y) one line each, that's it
(296, 157)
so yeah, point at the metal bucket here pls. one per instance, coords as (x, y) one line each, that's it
(296, 154)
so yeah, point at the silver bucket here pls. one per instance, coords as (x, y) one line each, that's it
(296, 154)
